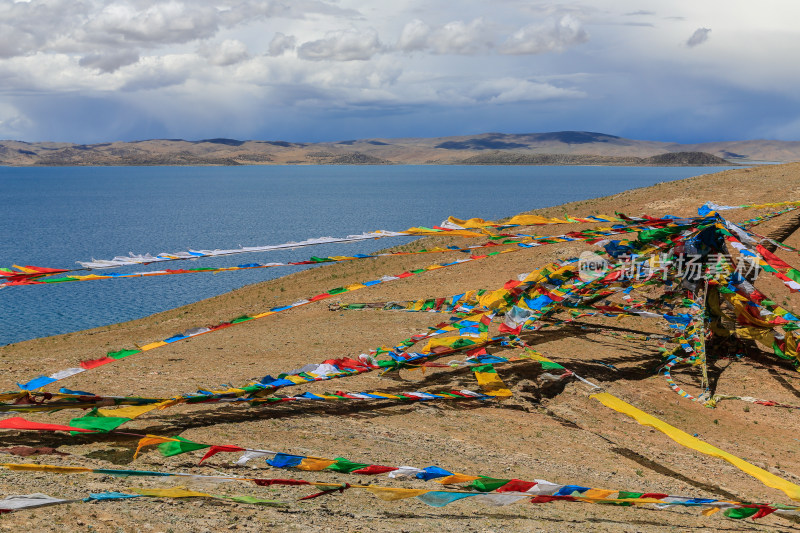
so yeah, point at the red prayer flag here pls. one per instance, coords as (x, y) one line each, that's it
(373, 470)
(764, 511)
(94, 363)
(18, 422)
(505, 329)
(517, 485)
(214, 450)
(476, 352)
(773, 260)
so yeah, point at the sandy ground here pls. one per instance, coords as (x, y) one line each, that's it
(560, 435)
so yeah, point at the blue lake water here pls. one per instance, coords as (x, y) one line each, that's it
(53, 217)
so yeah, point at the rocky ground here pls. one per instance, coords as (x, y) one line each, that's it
(558, 434)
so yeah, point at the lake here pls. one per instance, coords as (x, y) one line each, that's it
(53, 217)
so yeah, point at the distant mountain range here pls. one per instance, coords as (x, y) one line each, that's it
(553, 148)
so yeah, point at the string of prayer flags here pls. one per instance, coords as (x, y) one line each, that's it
(42, 276)
(483, 490)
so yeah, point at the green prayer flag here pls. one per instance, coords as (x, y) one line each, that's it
(487, 484)
(549, 365)
(345, 466)
(780, 353)
(462, 343)
(657, 234)
(103, 424)
(793, 274)
(744, 512)
(122, 353)
(168, 449)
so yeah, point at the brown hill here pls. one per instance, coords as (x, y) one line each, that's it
(528, 148)
(697, 159)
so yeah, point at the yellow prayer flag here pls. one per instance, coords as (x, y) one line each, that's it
(131, 411)
(390, 494)
(153, 345)
(47, 468)
(456, 478)
(491, 384)
(598, 494)
(314, 465)
(684, 439)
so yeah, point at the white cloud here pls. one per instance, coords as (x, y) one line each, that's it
(699, 36)
(414, 36)
(13, 41)
(229, 52)
(457, 37)
(13, 123)
(281, 43)
(555, 35)
(510, 90)
(480, 37)
(109, 62)
(162, 23)
(85, 26)
(460, 38)
(155, 72)
(342, 45)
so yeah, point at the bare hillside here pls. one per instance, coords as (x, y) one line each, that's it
(573, 147)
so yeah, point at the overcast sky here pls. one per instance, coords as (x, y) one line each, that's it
(314, 70)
